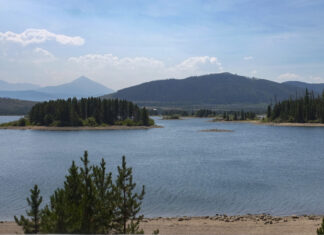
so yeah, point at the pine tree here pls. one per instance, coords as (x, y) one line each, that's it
(87, 197)
(73, 198)
(128, 203)
(269, 111)
(32, 225)
(103, 204)
(64, 213)
(145, 117)
(235, 116)
(89, 203)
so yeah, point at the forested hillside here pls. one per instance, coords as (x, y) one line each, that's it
(316, 87)
(222, 88)
(88, 112)
(309, 108)
(15, 107)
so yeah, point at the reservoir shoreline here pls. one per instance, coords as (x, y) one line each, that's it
(262, 224)
(256, 122)
(80, 128)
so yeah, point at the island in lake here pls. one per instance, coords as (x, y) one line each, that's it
(84, 114)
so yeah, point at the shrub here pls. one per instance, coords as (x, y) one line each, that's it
(22, 122)
(91, 121)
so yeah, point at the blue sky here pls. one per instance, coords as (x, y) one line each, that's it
(122, 43)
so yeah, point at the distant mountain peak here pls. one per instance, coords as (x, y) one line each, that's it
(80, 87)
(83, 79)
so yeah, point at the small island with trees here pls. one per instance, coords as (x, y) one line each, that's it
(86, 113)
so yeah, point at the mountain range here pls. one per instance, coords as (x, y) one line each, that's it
(216, 91)
(80, 87)
(6, 86)
(212, 89)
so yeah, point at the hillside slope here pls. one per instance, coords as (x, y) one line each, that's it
(15, 107)
(215, 89)
(6, 86)
(26, 95)
(316, 87)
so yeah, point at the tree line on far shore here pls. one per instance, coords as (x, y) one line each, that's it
(88, 112)
(90, 202)
(309, 108)
(239, 116)
(227, 115)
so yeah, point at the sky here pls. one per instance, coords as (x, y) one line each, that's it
(126, 42)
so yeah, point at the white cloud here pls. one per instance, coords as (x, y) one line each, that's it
(102, 60)
(254, 72)
(282, 36)
(288, 76)
(41, 55)
(193, 63)
(248, 58)
(40, 66)
(140, 63)
(295, 77)
(33, 36)
(126, 71)
(42, 51)
(316, 79)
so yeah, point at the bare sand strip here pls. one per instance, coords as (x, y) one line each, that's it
(230, 225)
(221, 224)
(80, 128)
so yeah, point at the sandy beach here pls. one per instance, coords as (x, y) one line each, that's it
(220, 224)
(81, 128)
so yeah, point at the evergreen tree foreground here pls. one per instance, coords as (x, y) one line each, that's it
(90, 202)
(32, 225)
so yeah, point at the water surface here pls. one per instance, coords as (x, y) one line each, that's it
(255, 169)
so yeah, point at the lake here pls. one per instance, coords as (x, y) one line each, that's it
(254, 169)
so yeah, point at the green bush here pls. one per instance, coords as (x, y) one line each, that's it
(171, 117)
(320, 230)
(91, 121)
(22, 122)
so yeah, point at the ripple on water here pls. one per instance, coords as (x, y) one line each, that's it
(255, 169)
